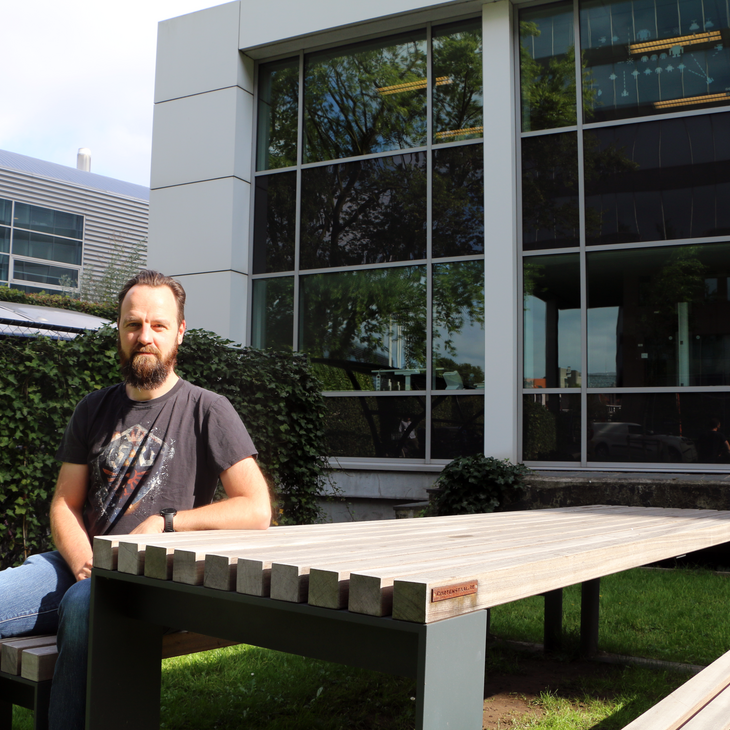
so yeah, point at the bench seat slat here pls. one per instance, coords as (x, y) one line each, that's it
(693, 697)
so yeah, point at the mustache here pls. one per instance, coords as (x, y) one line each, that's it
(146, 350)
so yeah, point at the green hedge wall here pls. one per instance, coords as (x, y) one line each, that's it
(41, 380)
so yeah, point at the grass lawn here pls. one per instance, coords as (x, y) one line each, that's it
(678, 616)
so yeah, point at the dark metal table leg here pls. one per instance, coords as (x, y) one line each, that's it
(125, 656)
(450, 682)
(589, 615)
(553, 620)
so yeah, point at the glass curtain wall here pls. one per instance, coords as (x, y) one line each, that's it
(369, 237)
(625, 165)
(40, 248)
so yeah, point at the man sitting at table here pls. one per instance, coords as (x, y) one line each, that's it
(143, 456)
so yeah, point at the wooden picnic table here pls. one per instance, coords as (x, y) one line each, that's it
(401, 596)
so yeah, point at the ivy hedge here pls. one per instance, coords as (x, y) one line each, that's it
(41, 380)
(57, 300)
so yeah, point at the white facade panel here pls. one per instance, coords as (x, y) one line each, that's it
(199, 52)
(217, 302)
(500, 279)
(202, 137)
(277, 21)
(210, 217)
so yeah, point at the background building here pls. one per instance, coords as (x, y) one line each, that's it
(57, 220)
(481, 243)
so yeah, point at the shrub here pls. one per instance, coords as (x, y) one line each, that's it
(41, 380)
(478, 483)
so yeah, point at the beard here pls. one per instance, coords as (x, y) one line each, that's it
(145, 372)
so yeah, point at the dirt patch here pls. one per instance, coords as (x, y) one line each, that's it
(513, 695)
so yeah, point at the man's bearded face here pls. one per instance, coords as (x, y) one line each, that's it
(146, 368)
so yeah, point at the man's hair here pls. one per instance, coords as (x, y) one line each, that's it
(148, 277)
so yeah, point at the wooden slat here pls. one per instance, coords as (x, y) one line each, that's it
(691, 698)
(329, 581)
(38, 664)
(12, 651)
(518, 579)
(294, 562)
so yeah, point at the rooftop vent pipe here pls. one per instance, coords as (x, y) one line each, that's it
(83, 159)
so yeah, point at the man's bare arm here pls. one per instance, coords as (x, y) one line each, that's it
(67, 523)
(248, 506)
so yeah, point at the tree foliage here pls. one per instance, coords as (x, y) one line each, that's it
(41, 380)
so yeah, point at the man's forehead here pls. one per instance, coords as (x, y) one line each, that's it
(142, 299)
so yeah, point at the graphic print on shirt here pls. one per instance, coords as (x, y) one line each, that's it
(130, 468)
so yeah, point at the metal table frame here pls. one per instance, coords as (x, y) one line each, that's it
(129, 615)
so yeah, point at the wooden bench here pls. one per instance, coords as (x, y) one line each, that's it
(27, 664)
(701, 703)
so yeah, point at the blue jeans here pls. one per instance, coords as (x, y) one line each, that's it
(42, 597)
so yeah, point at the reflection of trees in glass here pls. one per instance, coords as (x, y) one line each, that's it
(457, 82)
(547, 86)
(274, 223)
(458, 303)
(371, 211)
(273, 313)
(364, 100)
(360, 315)
(458, 200)
(278, 114)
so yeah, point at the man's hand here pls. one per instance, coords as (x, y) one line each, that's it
(84, 571)
(153, 524)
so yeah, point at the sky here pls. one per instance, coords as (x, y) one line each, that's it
(81, 73)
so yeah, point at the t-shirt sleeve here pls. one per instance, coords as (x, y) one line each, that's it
(74, 444)
(228, 439)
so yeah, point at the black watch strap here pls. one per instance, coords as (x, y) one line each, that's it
(169, 513)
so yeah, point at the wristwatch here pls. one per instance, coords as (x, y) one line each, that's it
(168, 513)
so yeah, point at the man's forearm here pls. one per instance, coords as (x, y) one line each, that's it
(71, 539)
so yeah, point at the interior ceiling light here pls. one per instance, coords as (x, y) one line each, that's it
(413, 85)
(458, 132)
(705, 99)
(712, 36)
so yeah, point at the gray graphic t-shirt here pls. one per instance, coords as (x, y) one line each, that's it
(146, 455)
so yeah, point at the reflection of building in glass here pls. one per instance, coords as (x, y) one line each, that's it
(54, 220)
(385, 207)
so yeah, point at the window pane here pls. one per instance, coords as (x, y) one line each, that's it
(547, 67)
(4, 268)
(6, 211)
(5, 240)
(653, 56)
(366, 99)
(366, 212)
(659, 180)
(38, 246)
(386, 427)
(457, 81)
(458, 200)
(659, 427)
(366, 329)
(457, 426)
(49, 221)
(57, 275)
(551, 427)
(552, 342)
(550, 210)
(458, 325)
(659, 317)
(273, 313)
(274, 223)
(278, 114)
